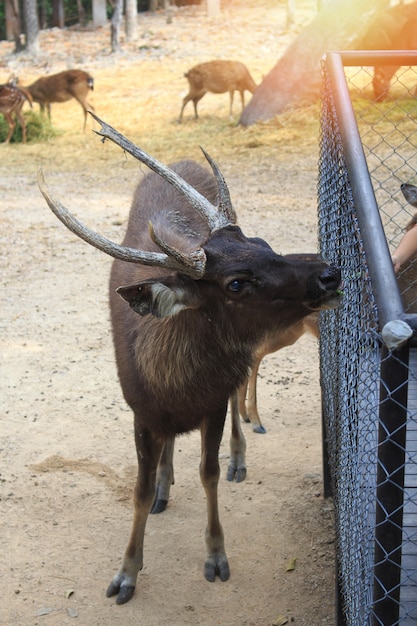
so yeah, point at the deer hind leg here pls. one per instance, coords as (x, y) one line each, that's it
(252, 401)
(21, 119)
(237, 466)
(231, 94)
(216, 561)
(195, 97)
(164, 477)
(148, 452)
(11, 124)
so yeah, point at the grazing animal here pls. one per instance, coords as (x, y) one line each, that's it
(62, 87)
(394, 28)
(197, 296)
(217, 77)
(407, 277)
(12, 99)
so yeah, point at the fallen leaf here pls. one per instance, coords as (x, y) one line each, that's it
(281, 620)
(69, 593)
(291, 565)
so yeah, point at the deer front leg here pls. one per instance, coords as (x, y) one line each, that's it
(164, 477)
(148, 451)
(216, 561)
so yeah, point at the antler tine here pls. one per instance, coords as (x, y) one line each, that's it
(193, 265)
(198, 201)
(225, 206)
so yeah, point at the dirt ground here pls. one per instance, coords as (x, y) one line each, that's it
(67, 459)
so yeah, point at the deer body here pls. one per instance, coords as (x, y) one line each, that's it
(272, 342)
(12, 99)
(407, 276)
(62, 87)
(197, 310)
(217, 77)
(394, 28)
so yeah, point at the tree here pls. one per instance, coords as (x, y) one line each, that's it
(13, 27)
(116, 20)
(131, 15)
(58, 13)
(99, 13)
(296, 77)
(32, 26)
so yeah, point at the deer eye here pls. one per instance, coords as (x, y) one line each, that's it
(236, 285)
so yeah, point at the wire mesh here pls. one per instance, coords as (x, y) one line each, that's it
(369, 392)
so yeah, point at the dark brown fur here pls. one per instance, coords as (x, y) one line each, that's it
(178, 371)
(62, 87)
(186, 342)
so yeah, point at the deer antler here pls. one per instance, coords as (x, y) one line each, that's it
(192, 264)
(217, 217)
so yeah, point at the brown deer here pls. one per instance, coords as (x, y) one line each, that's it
(201, 296)
(272, 342)
(62, 87)
(12, 99)
(217, 77)
(394, 28)
(407, 276)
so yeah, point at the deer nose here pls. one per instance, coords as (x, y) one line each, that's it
(331, 278)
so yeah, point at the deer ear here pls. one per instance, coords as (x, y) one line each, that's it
(159, 299)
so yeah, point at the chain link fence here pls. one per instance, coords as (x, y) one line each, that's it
(368, 148)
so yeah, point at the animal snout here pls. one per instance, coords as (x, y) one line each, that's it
(330, 278)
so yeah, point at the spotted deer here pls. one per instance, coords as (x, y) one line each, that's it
(12, 99)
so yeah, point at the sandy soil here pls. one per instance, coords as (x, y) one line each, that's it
(67, 459)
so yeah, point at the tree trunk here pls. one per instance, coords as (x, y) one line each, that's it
(99, 13)
(131, 20)
(116, 20)
(31, 27)
(13, 27)
(296, 78)
(58, 13)
(81, 12)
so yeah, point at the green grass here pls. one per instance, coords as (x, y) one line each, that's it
(38, 129)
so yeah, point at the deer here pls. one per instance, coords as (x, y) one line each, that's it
(217, 77)
(190, 298)
(62, 87)
(407, 274)
(394, 28)
(12, 99)
(272, 342)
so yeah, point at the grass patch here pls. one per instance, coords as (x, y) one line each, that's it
(38, 128)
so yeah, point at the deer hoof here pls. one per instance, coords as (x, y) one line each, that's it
(236, 473)
(124, 591)
(159, 506)
(216, 566)
(261, 430)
